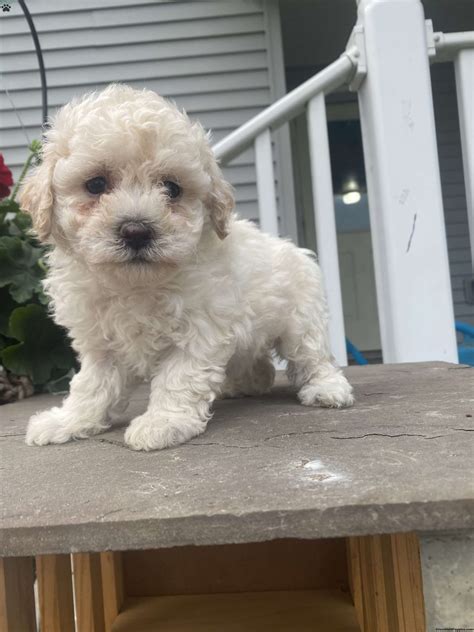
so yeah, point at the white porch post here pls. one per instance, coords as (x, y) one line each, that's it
(464, 69)
(325, 221)
(406, 212)
(266, 183)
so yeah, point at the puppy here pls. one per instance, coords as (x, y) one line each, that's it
(155, 279)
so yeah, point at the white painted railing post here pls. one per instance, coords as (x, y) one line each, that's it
(325, 221)
(266, 183)
(464, 68)
(406, 212)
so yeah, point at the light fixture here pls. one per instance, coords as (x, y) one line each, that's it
(350, 192)
(351, 197)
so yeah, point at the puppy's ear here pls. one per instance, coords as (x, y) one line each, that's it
(36, 197)
(220, 201)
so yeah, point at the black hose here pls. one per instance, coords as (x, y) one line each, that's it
(39, 55)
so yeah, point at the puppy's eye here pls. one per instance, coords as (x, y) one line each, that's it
(97, 185)
(173, 190)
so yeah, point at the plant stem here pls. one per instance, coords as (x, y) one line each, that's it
(26, 166)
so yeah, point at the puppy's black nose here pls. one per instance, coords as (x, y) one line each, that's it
(135, 234)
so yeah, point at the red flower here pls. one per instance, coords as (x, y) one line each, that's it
(6, 179)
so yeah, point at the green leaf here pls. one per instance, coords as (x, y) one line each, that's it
(42, 297)
(7, 305)
(7, 228)
(9, 206)
(42, 348)
(19, 268)
(61, 384)
(22, 221)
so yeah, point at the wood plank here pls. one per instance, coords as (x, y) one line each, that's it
(354, 577)
(17, 599)
(409, 581)
(288, 564)
(112, 585)
(88, 592)
(55, 593)
(390, 602)
(386, 583)
(298, 611)
(371, 607)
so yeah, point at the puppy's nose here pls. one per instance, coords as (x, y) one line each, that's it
(135, 234)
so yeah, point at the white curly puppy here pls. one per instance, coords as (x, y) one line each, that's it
(154, 278)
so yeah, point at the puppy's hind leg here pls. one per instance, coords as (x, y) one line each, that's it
(311, 367)
(116, 411)
(247, 374)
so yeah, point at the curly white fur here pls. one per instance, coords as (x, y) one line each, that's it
(199, 313)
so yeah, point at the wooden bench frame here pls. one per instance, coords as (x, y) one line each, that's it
(384, 573)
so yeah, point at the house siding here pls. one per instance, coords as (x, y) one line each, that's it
(211, 58)
(452, 184)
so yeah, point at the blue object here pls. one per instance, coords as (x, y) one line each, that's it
(466, 348)
(355, 353)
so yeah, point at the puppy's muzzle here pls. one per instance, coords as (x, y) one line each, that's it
(135, 235)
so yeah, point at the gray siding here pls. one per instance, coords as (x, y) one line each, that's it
(452, 182)
(210, 57)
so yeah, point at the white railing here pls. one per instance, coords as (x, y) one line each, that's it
(407, 223)
(464, 69)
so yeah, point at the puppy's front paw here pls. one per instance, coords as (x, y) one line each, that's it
(57, 426)
(331, 392)
(149, 432)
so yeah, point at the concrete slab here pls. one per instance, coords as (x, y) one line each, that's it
(266, 468)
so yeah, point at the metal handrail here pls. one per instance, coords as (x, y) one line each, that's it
(286, 108)
(452, 43)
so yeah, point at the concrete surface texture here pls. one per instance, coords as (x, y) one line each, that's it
(266, 468)
(447, 561)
